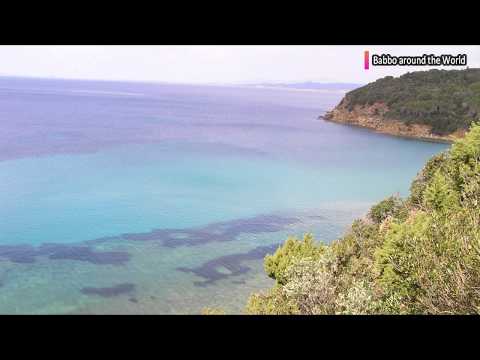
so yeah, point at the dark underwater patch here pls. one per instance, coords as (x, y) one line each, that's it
(238, 282)
(210, 272)
(25, 254)
(85, 251)
(113, 291)
(82, 253)
(221, 231)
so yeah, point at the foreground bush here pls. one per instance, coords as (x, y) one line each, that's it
(419, 256)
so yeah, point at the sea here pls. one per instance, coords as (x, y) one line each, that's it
(152, 198)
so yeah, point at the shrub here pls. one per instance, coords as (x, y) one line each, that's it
(274, 302)
(394, 261)
(419, 184)
(357, 300)
(439, 194)
(312, 286)
(448, 264)
(292, 250)
(390, 207)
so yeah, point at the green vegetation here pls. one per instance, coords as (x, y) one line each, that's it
(275, 266)
(420, 255)
(446, 100)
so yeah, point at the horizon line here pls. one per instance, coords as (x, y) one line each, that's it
(246, 83)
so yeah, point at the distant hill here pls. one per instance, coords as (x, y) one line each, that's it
(434, 103)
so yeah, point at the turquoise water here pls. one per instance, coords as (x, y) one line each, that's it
(167, 200)
(72, 198)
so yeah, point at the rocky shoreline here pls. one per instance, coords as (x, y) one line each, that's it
(372, 117)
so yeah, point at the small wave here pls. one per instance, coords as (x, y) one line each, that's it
(46, 91)
(99, 92)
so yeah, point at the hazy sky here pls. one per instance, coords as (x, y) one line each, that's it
(213, 64)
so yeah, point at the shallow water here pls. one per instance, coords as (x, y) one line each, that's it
(150, 198)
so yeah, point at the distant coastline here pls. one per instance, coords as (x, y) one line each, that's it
(434, 105)
(308, 86)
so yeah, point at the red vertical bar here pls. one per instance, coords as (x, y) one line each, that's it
(367, 60)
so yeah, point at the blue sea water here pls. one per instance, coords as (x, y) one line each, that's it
(158, 198)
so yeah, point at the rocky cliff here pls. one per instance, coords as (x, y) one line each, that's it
(373, 117)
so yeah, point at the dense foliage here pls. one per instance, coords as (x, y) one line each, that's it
(420, 255)
(446, 100)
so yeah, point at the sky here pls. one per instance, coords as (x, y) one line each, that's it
(214, 64)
